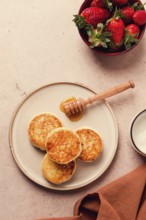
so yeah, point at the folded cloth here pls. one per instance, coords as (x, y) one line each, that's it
(123, 199)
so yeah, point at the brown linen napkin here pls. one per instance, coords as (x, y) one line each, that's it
(123, 199)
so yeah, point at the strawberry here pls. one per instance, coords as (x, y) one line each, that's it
(91, 16)
(133, 29)
(98, 37)
(127, 13)
(120, 2)
(139, 17)
(132, 32)
(102, 4)
(116, 27)
(98, 3)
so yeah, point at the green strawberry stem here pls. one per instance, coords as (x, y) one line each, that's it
(98, 36)
(117, 15)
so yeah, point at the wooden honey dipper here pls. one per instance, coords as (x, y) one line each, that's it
(79, 105)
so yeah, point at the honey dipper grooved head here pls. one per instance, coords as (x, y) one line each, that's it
(73, 107)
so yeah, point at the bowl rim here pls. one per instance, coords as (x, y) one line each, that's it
(131, 132)
(142, 31)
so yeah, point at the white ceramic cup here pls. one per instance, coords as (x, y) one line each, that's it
(138, 133)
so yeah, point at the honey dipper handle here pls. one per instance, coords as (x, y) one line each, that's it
(110, 92)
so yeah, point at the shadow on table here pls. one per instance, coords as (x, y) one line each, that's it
(95, 185)
(128, 60)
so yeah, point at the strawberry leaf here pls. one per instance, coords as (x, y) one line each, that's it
(120, 15)
(117, 13)
(100, 26)
(137, 6)
(104, 44)
(135, 40)
(98, 37)
(107, 21)
(130, 39)
(109, 4)
(107, 40)
(107, 34)
(89, 33)
(81, 22)
(128, 46)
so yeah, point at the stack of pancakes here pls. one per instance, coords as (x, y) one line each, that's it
(63, 146)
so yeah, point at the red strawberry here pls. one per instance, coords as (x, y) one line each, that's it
(139, 17)
(127, 14)
(117, 28)
(133, 29)
(95, 15)
(102, 4)
(132, 32)
(98, 3)
(120, 2)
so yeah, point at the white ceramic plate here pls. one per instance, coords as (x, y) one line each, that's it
(47, 99)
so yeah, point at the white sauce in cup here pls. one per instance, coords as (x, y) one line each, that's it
(138, 132)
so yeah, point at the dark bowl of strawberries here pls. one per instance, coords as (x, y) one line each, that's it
(111, 27)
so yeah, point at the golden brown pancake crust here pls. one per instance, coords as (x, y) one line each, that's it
(91, 144)
(63, 145)
(40, 127)
(57, 173)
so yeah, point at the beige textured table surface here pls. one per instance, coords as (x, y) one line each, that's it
(39, 44)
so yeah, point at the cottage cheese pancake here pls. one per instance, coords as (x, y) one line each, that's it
(57, 173)
(39, 128)
(91, 144)
(63, 145)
